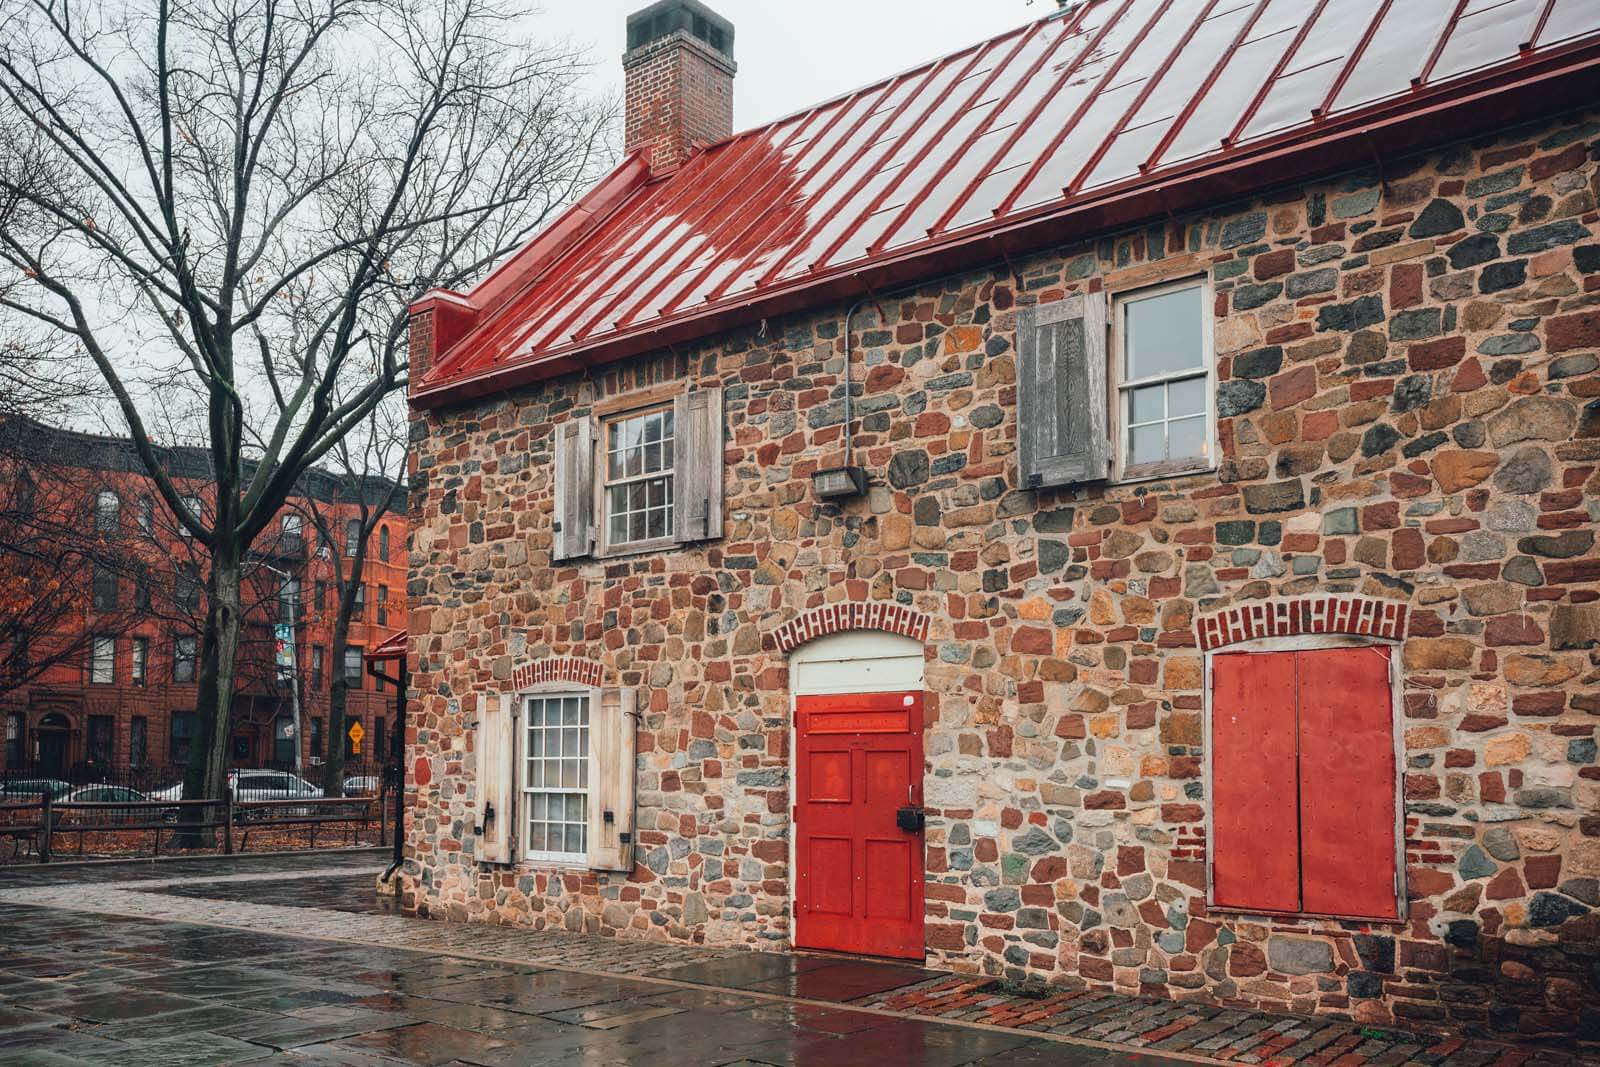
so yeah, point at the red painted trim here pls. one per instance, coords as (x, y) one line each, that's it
(854, 615)
(1358, 616)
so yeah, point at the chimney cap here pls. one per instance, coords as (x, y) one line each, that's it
(667, 17)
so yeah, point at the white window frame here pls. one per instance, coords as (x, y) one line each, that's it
(523, 791)
(140, 673)
(102, 653)
(604, 482)
(1121, 390)
(1312, 643)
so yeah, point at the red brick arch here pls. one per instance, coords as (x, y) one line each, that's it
(558, 669)
(1360, 616)
(852, 615)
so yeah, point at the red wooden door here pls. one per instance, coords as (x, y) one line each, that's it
(1347, 782)
(859, 876)
(1303, 780)
(1256, 824)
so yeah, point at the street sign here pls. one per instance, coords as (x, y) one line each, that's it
(356, 734)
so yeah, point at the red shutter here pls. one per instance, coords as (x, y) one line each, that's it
(1255, 845)
(1347, 782)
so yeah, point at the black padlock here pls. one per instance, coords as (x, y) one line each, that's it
(911, 820)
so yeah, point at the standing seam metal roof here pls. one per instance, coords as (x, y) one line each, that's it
(1109, 96)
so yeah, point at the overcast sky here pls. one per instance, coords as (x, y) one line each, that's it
(794, 54)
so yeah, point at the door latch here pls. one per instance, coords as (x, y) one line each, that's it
(911, 820)
(488, 817)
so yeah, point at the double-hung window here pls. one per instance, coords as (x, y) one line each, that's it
(555, 778)
(141, 659)
(642, 472)
(638, 478)
(1162, 366)
(103, 660)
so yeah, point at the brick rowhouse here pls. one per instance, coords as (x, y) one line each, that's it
(1389, 504)
(138, 715)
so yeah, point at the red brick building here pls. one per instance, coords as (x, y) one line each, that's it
(1113, 506)
(124, 701)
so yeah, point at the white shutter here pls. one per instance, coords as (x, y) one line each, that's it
(494, 814)
(697, 463)
(612, 749)
(574, 490)
(1061, 392)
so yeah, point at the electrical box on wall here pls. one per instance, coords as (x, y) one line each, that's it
(839, 483)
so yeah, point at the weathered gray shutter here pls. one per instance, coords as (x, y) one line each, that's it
(494, 815)
(612, 749)
(697, 461)
(574, 511)
(1061, 390)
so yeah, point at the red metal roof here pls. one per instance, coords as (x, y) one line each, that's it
(1086, 119)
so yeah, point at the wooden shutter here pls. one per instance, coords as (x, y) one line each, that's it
(1255, 833)
(612, 748)
(574, 510)
(697, 461)
(1347, 783)
(493, 815)
(1061, 389)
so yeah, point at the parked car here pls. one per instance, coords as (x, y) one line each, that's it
(251, 785)
(362, 785)
(105, 794)
(31, 788)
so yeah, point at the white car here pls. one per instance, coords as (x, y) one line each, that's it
(255, 785)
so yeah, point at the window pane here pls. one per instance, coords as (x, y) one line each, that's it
(574, 839)
(1187, 438)
(1146, 444)
(536, 839)
(1146, 405)
(1186, 398)
(1163, 333)
(569, 712)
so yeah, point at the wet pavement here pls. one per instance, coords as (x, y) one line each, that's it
(294, 960)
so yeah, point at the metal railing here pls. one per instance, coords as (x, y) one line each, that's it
(38, 829)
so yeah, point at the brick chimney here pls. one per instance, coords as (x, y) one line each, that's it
(680, 68)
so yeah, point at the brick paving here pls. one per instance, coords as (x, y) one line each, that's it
(331, 899)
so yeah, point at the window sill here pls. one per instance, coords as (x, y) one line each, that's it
(637, 548)
(1304, 916)
(562, 860)
(1156, 472)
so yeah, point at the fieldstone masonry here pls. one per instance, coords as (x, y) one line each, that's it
(1409, 419)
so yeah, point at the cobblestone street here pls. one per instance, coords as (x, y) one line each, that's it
(294, 960)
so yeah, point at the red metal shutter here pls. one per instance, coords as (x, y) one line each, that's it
(1347, 782)
(1255, 844)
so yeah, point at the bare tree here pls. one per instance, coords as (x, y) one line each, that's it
(233, 201)
(366, 471)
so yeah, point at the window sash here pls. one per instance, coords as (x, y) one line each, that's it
(542, 748)
(1124, 388)
(141, 659)
(103, 661)
(664, 475)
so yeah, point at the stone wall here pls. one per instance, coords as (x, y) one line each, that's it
(1406, 367)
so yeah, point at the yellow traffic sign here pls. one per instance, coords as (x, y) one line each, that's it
(356, 734)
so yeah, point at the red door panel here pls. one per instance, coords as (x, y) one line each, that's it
(859, 877)
(1347, 776)
(1255, 829)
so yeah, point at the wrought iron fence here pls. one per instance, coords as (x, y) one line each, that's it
(44, 818)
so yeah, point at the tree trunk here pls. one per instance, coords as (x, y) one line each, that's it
(206, 776)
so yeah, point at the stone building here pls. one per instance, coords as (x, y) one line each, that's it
(1112, 506)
